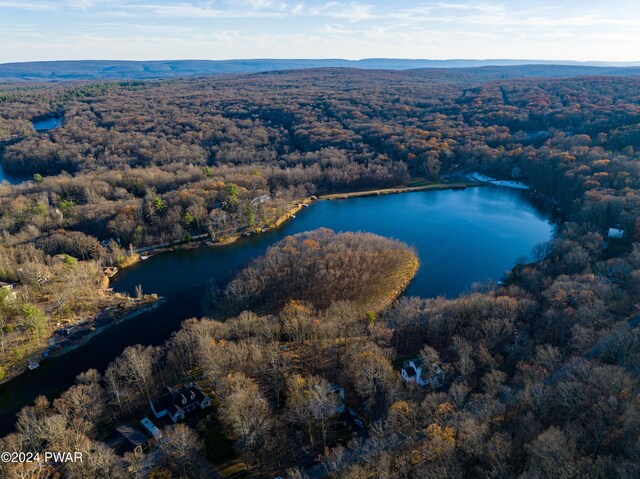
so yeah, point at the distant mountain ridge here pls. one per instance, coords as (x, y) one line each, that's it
(123, 69)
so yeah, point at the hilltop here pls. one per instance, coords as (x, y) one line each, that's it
(121, 69)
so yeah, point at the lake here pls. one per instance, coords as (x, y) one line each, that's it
(46, 124)
(461, 236)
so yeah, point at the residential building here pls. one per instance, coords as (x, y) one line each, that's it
(413, 371)
(177, 403)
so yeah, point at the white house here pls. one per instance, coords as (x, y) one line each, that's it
(176, 403)
(615, 233)
(260, 199)
(413, 371)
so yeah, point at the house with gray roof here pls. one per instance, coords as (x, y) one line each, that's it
(177, 403)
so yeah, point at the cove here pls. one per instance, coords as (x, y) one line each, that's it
(461, 236)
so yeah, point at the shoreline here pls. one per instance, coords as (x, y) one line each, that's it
(401, 189)
(203, 240)
(406, 277)
(150, 303)
(68, 343)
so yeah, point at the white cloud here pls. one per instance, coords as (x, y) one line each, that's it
(31, 6)
(81, 4)
(330, 28)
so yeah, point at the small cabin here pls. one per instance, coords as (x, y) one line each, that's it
(413, 371)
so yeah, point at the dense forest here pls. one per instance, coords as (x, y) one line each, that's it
(155, 161)
(538, 377)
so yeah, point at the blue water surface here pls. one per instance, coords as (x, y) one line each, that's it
(461, 236)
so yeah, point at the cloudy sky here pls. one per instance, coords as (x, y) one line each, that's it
(224, 29)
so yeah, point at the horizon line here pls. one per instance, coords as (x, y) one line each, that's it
(533, 60)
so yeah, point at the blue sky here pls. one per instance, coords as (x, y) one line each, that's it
(224, 29)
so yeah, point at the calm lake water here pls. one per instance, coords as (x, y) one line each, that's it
(47, 123)
(13, 178)
(461, 236)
